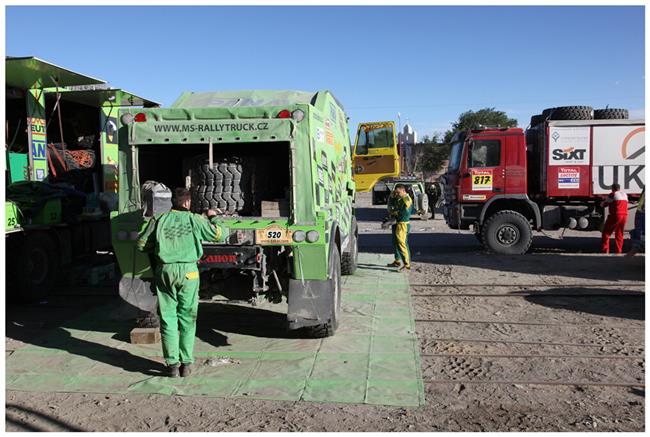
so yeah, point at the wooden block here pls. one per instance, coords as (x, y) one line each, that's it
(145, 335)
(279, 208)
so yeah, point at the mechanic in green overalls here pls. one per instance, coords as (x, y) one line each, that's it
(175, 238)
(400, 207)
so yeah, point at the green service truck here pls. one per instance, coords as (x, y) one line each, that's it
(61, 171)
(276, 165)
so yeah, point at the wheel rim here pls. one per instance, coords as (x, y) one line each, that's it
(507, 235)
(38, 257)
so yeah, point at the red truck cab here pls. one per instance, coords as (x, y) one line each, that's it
(487, 173)
(505, 182)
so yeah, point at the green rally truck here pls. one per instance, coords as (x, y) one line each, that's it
(276, 166)
(60, 171)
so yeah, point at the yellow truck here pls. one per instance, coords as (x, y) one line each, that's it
(375, 154)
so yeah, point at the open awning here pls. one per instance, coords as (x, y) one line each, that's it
(101, 97)
(31, 72)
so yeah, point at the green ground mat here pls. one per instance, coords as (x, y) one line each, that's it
(244, 351)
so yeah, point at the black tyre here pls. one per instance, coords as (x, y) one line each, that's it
(611, 114)
(223, 185)
(350, 259)
(507, 233)
(569, 113)
(536, 119)
(33, 266)
(334, 274)
(532, 139)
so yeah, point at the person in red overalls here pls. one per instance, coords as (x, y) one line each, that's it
(615, 223)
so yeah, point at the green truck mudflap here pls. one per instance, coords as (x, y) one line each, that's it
(310, 303)
(139, 293)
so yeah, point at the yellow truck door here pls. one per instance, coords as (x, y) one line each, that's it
(375, 154)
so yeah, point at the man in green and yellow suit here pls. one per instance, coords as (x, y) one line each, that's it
(400, 207)
(175, 238)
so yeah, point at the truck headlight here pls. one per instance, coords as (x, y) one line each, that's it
(312, 236)
(299, 236)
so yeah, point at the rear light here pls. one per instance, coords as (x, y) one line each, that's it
(312, 236)
(299, 236)
(298, 115)
(284, 114)
(140, 117)
(127, 118)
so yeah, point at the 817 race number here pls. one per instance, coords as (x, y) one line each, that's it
(482, 180)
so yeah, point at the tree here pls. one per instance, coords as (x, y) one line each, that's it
(489, 117)
(430, 154)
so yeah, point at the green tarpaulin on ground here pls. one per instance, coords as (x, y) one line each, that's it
(243, 351)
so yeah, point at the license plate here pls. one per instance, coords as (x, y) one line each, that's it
(273, 235)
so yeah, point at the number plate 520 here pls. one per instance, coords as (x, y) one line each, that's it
(273, 235)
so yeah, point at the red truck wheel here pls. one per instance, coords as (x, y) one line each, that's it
(507, 233)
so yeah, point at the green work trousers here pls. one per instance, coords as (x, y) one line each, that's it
(401, 248)
(177, 286)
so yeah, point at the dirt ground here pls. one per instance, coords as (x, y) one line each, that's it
(549, 341)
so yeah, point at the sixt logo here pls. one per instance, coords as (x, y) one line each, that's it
(569, 154)
(556, 136)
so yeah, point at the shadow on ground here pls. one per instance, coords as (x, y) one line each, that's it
(16, 415)
(236, 319)
(48, 325)
(557, 257)
(630, 305)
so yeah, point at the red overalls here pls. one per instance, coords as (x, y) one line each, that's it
(615, 222)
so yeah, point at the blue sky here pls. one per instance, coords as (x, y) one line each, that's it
(428, 63)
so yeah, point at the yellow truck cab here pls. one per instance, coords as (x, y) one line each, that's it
(375, 154)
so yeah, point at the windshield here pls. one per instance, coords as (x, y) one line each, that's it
(455, 156)
(374, 136)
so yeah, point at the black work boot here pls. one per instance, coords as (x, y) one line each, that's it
(173, 370)
(186, 369)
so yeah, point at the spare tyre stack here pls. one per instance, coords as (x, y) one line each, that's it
(611, 114)
(536, 119)
(224, 185)
(569, 113)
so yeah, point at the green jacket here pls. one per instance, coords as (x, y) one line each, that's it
(176, 236)
(401, 208)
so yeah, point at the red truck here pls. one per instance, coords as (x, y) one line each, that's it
(507, 182)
